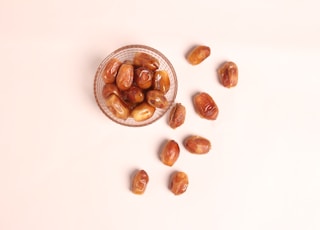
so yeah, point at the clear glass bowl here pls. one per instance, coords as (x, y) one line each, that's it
(127, 53)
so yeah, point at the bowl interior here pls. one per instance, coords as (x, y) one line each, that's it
(127, 53)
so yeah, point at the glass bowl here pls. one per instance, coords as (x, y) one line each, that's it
(124, 54)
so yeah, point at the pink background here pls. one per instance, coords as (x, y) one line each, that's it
(64, 165)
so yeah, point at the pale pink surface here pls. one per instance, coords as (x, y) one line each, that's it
(64, 165)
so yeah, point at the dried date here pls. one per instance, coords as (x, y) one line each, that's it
(124, 77)
(146, 60)
(117, 107)
(205, 106)
(198, 54)
(143, 77)
(177, 115)
(142, 112)
(109, 89)
(170, 153)
(110, 71)
(179, 183)
(139, 182)
(228, 74)
(161, 81)
(133, 95)
(157, 99)
(197, 144)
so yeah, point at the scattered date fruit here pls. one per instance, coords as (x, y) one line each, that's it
(139, 182)
(197, 144)
(170, 152)
(132, 81)
(179, 183)
(228, 74)
(177, 115)
(198, 54)
(205, 106)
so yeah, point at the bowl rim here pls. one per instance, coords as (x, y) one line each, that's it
(143, 47)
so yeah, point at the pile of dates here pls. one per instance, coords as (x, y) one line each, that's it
(135, 88)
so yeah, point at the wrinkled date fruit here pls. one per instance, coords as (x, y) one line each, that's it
(161, 81)
(205, 106)
(109, 89)
(179, 183)
(133, 95)
(142, 112)
(111, 70)
(197, 144)
(143, 77)
(177, 115)
(146, 60)
(157, 99)
(117, 107)
(228, 74)
(170, 153)
(198, 54)
(124, 77)
(139, 182)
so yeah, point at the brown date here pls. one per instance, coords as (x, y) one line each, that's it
(117, 107)
(146, 60)
(109, 89)
(111, 69)
(161, 81)
(205, 106)
(124, 77)
(143, 77)
(198, 54)
(139, 182)
(142, 112)
(157, 99)
(129, 62)
(179, 183)
(228, 74)
(133, 95)
(170, 153)
(177, 115)
(197, 144)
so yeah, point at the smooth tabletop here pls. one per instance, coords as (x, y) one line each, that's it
(64, 165)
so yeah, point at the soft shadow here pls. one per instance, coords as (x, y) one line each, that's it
(131, 176)
(189, 50)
